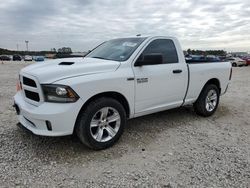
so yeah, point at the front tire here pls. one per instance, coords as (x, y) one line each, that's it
(234, 64)
(208, 101)
(101, 124)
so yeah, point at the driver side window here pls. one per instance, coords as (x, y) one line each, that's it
(163, 47)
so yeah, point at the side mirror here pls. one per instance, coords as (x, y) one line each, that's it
(149, 59)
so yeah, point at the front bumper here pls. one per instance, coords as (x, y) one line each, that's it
(61, 116)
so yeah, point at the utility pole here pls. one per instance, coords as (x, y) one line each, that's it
(27, 45)
(17, 47)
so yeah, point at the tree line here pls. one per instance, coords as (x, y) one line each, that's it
(33, 53)
(207, 52)
(63, 50)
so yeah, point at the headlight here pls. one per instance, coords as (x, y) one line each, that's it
(59, 93)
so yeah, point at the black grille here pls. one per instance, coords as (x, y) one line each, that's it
(29, 82)
(32, 95)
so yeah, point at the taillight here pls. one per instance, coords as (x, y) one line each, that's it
(231, 72)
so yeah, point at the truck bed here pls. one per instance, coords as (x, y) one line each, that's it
(200, 72)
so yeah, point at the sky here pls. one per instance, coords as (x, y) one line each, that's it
(83, 24)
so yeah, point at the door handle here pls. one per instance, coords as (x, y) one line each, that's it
(177, 71)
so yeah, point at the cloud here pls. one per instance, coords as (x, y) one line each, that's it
(82, 24)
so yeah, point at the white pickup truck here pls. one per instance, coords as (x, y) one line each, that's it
(120, 79)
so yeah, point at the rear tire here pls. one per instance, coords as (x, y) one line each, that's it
(208, 101)
(101, 124)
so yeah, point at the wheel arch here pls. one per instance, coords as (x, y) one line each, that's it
(214, 81)
(111, 94)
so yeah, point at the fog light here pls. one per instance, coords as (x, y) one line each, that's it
(49, 126)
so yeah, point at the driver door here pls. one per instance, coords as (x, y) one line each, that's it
(160, 85)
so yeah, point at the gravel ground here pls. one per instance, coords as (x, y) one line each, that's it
(174, 148)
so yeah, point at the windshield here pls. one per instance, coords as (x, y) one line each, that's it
(116, 49)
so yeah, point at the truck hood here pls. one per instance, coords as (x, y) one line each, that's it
(53, 70)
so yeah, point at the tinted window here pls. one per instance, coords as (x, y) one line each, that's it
(165, 47)
(117, 49)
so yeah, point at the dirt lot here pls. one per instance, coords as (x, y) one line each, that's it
(169, 149)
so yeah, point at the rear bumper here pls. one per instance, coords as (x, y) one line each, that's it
(61, 117)
(242, 63)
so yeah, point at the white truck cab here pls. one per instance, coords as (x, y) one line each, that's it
(120, 79)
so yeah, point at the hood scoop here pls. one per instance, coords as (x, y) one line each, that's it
(66, 63)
